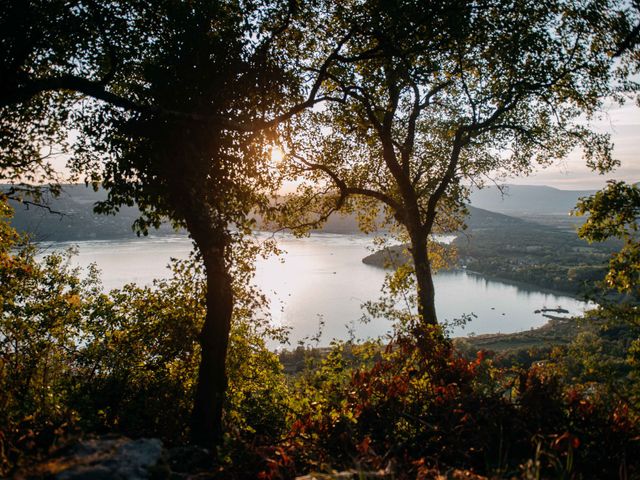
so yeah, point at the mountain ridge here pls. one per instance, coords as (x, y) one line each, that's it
(78, 221)
(530, 200)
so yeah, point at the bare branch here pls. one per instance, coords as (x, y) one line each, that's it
(407, 147)
(346, 190)
(14, 194)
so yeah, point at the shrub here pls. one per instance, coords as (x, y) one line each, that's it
(421, 409)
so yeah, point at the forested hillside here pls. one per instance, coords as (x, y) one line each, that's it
(70, 216)
(514, 249)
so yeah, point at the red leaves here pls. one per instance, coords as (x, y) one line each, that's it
(363, 446)
(425, 412)
(566, 441)
(397, 386)
(278, 467)
(298, 427)
(622, 419)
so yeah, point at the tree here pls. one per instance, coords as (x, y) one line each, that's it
(40, 318)
(200, 175)
(50, 49)
(611, 353)
(429, 98)
(201, 156)
(74, 356)
(614, 213)
(180, 122)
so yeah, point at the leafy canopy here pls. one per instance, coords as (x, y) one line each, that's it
(614, 213)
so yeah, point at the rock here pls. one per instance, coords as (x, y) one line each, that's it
(119, 458)
(102, 458)
(348, 475)
(89, 472)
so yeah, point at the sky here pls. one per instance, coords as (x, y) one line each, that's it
(623, 124)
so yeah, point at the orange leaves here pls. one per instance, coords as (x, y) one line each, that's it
(278, 466)
(364, 445)
(566, 441)
(397, 386)
(623, 420)
(298, 427)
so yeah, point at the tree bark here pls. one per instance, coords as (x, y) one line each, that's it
(424, 280)
(206, 426)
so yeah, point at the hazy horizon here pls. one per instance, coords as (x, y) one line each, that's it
(623, 123)
(571, 173)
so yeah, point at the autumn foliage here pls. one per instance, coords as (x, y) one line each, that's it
(413, 413)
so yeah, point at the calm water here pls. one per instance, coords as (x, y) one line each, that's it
(323, 278)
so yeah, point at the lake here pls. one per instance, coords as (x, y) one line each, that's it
(322, 277)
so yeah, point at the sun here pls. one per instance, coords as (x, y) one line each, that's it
(277, 155)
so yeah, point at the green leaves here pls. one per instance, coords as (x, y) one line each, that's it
(126, 360)
(614, 213)
(423, 99)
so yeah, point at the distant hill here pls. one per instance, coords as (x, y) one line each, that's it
(77, 221)
(479, 219)
(528, 200)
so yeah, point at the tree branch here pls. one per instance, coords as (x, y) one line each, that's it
(91, 88)
(346, 190)
(97, 90)
(430, 215)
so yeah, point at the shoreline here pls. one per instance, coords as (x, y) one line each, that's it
(373, 260)
(519, 283)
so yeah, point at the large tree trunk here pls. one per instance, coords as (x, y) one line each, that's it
(424, 279)
(206, 427)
